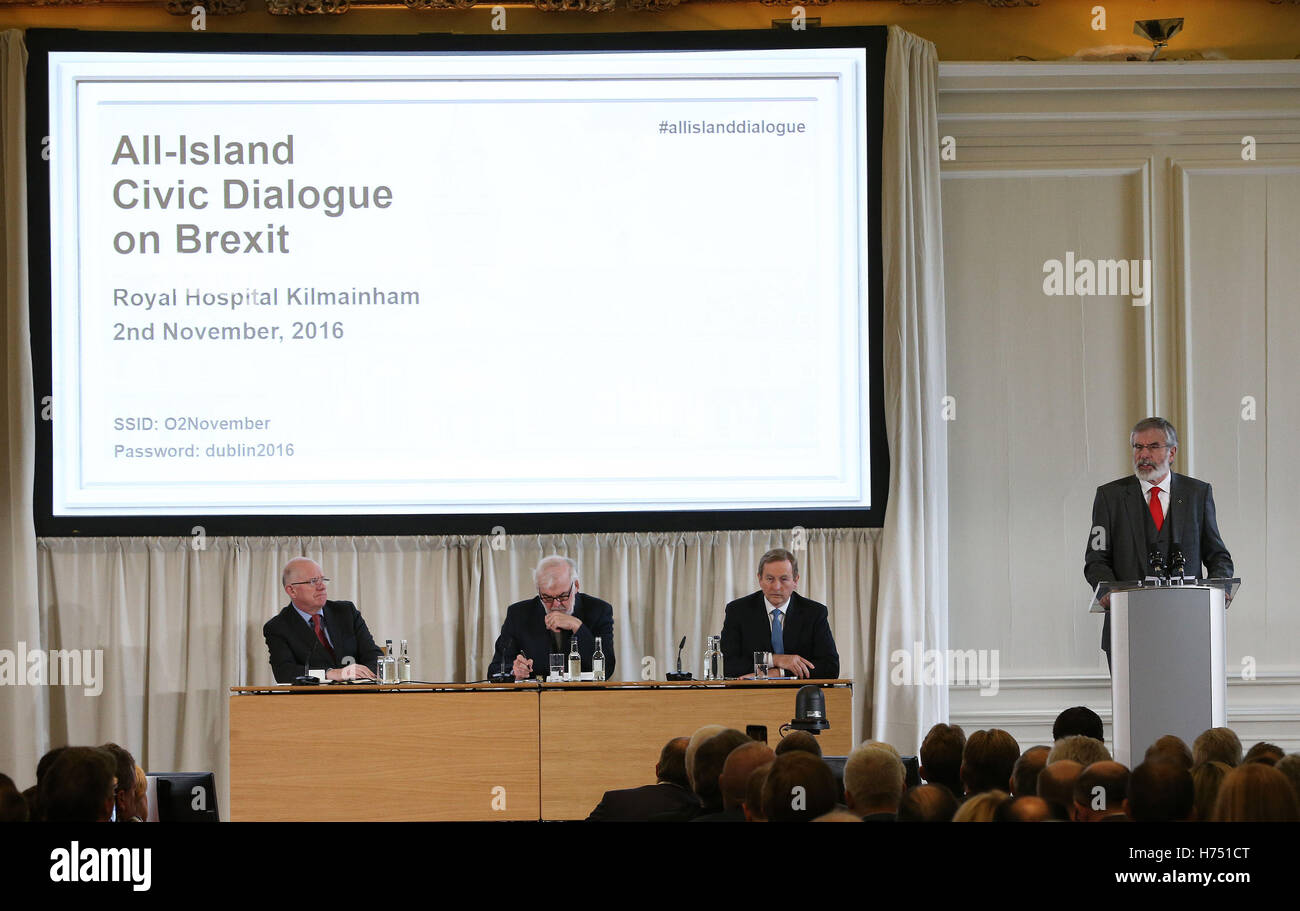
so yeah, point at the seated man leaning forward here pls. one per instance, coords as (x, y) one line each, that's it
(780, 621)
(326, 639)
(536, 628)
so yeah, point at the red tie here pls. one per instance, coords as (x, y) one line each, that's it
(320, 633)
(1157, 514)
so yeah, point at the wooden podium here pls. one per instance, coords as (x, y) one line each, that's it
(480, 751)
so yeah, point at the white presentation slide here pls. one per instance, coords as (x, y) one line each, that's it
(459, 283)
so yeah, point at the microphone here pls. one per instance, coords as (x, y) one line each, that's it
(505, 674)
(1177, 562)
(1157, 562)
(306, 679)
(679, 675)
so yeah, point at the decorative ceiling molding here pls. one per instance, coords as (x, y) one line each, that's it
(339, 7)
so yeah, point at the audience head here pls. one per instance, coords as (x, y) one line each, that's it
(940, 756)
(799, 740)
(927, 803)
(1207, 778)
(46, 761)
(873, 780)
(988, 759)
(982, 807)
(141, 795)
(672, 763)
(754, 793)
(1256, 792)
(1100, 791)
(736, 771)
(1290, 767)
(1056, 786)
(799, 788)
(1024, 774)
(839, 815)
(1078, 720)
(78, 787)
(13, 806)
(701, 735)
(1217, 745)
(1160, 790)
(124, 772)
(709, 760)
(1267, 753)
(1080, 748)
(1023, 809)
(1171, 748)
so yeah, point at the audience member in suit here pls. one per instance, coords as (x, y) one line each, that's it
(685, 814)
(1100, 792)
(941, 757)
(1023, 809)
(124, 788)
(536, 628)
(330, 636)
(1171, 748)
(987, 761)
(710, 763)
(1160, 790)
(1217, 745)
(778, 620)
(671, 790)
(1024, 774)
(13, 806)
(1056, 786)
(927, 803)
(1256, 792)
(736, 774)
(799, 740)
(873, 783)
(799, 787)
(1080, 748)
(79, 787)
(1129, 518)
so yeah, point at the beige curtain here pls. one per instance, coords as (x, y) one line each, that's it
(913, 608)
(24, 711)
(178, 626)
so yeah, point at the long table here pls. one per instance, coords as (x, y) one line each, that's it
(480, 751)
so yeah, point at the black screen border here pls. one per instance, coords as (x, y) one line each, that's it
(40, 42)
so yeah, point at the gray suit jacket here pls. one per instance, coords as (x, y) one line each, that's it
(1119, 552)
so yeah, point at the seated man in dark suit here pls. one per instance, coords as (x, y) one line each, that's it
(330, 636)
(672, 790)
(536, 628)
(779, 620)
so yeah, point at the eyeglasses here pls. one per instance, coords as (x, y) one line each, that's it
(1152, 448)
(556, 599)
(319, 580)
